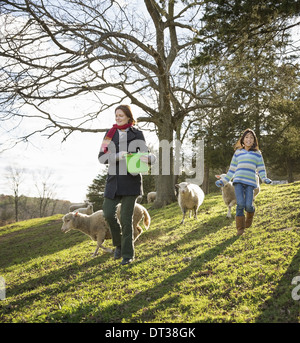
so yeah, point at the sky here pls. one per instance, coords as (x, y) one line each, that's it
(73, 164)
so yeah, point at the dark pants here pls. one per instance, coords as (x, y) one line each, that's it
(121, 236)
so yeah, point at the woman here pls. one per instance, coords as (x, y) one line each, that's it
(121, 186)
(246, 161)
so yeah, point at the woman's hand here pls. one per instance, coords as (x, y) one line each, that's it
(144, 158)
(121, 155)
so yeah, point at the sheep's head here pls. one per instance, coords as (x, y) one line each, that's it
(182, 187)
(68, 220)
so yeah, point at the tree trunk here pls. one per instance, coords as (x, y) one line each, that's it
(165, 189)
(16, 200)
(290, 175)
(205, 185)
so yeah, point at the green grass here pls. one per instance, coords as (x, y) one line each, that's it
(196, 272)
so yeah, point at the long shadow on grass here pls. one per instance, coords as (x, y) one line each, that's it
(203, 229)
(64, 279)
(143, 299)
(24, 245)
(281, 307)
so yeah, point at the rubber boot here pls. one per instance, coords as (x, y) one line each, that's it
(240, 224)
(249, 219)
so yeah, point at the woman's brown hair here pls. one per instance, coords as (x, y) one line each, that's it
(240, 142)
(127, 110)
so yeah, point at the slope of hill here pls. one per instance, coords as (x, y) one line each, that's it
(29, 207)
(196, 272)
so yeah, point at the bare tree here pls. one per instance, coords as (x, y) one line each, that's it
(15, 177)
(46, 191)
(113, 51)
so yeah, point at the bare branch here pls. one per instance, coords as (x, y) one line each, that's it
(97, 50)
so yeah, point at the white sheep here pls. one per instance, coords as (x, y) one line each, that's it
(139, 199)
(228, 193)
(139, 213)
(74, 207)
(94, 225)
(256, 190)
(85, 210)
(151, 196)
(190, 198)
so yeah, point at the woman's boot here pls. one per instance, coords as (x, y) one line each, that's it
(240, 224)
(249, 219)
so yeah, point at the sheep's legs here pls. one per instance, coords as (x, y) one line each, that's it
(229, 208)
(183, 212)
(96, 251)
(190, 213)
(102, 247)
(195, 213)
(229, 212)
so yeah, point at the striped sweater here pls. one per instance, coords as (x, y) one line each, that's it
(243, 167)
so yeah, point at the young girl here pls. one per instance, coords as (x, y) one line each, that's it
(246, 160)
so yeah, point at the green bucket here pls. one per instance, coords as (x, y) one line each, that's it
(134, 164)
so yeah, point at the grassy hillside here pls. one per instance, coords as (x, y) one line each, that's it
(196, 272)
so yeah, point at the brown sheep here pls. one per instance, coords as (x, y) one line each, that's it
(94, 225)
(139, 213)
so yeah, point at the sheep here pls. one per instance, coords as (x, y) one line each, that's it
(228, 193)
(190, 197)
(73, 207)
(139, 199)
(256, 190)
(85, 210)
(151, 196)
(94, 225)
(139, 213)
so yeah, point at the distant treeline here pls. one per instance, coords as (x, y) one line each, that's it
(29, 207)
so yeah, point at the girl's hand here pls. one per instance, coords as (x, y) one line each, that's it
(219, 183)
(268, 181)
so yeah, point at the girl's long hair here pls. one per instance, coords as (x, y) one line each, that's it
(240, 142)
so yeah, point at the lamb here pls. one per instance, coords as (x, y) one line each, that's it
(94, 225)
(73, 207)
(256, 190)
(139, 213)
(85, 210)
(228, 193)
(190, 197)
(151, 196)
(139, 199)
